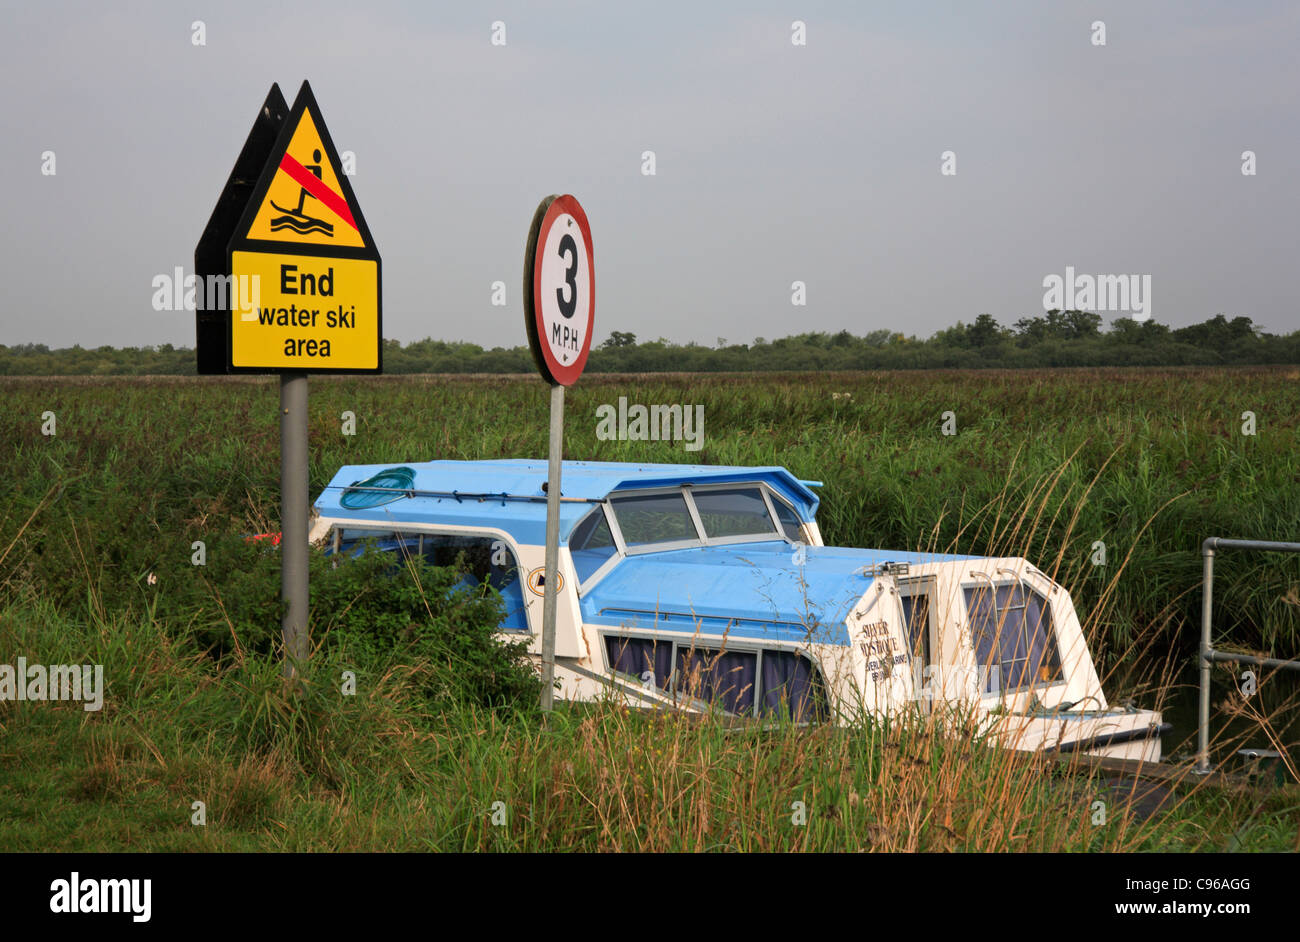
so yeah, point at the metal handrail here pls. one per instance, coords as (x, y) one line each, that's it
(1208, 655)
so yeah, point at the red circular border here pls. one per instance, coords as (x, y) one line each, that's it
(561, 374)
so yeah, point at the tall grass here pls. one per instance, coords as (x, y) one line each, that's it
(146, 467)
(1043, 465)
(378, 771)
(381, 771)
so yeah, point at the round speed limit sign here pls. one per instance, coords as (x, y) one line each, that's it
(559, 289)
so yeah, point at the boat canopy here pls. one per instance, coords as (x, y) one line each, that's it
(509, 494)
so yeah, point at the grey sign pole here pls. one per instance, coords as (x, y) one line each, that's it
(293, 519)
(552, 546)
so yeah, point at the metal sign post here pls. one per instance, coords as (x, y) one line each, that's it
(293, 520)
(288, 282)
(552, 545)
(559, 310)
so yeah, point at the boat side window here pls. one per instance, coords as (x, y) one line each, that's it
(789, 520)
(1011, 626)
(354, 541)
(723, 678)
(646, 659)
(484, 560)
(792, 687)
(916, 616)
(767, 683)
(654, 518)
(591, 543)
(733, 511)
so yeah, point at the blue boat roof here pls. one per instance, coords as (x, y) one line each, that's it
(749, 591)
(508, 493)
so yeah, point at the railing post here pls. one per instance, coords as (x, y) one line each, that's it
(1208, 655)
(1207, 605)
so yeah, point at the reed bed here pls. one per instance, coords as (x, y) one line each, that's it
(1043, 465)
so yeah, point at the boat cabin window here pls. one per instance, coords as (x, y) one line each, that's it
(789, 520)
(702, 515)
(766, 682)
(725, 678)
(1011, 626)
(733, 511)
(654, 518)
(649, 660)
(591, 544)
(486, 561)
(916, 616)
(791, 686)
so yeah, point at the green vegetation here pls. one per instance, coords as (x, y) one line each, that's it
(1057, 338)
(96, 529)
(382, 770)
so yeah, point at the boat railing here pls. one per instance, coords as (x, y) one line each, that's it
(1209, 655)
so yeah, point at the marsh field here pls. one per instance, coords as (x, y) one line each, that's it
(1108, 479)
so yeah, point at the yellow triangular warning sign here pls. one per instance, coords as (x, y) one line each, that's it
(307, 201)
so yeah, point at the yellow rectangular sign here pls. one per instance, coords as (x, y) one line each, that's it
(303, 312)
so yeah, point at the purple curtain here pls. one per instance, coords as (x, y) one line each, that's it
(791, 683)
(1022, 648)
(722, 677)
(916, 613)
(1042, 663)
(792, 686)
(635, 656)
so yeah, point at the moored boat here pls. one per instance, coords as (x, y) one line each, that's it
(709, 588)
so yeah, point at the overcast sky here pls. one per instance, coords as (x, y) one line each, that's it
(774, 162)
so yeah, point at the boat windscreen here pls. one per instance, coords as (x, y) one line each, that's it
(734, 511)
(654, 518)
(789, 520)
(591, 544)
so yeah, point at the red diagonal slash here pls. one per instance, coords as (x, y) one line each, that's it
(309, 182)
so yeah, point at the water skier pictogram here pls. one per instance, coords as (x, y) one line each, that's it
(296, 219)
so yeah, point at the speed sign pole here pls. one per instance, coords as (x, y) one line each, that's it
(552, 544)
(559, 311)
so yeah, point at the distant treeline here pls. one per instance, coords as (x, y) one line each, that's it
(1057, 338)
